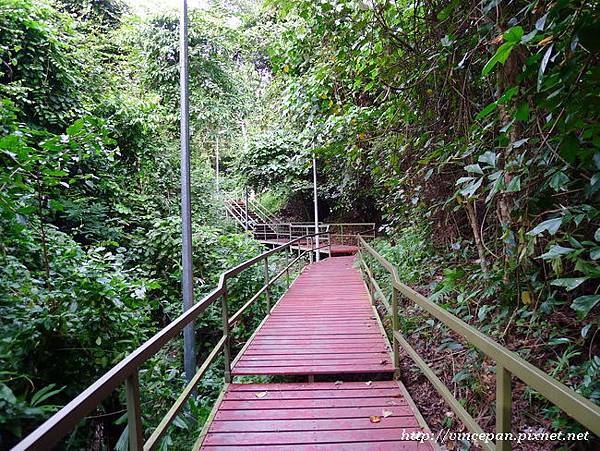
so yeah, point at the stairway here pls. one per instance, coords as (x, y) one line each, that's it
(248, 217)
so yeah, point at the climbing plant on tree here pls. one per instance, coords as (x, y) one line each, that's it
(478, 121)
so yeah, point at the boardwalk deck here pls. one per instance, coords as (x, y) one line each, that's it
(324, 324)
(336, 249)
(322, 415)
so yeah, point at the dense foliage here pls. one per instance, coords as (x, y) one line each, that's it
(472, 125)
(89, 207)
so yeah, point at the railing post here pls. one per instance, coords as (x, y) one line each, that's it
(503, 407)
(134, 412)
(226, 345)
(395, 328)
(368, 279)
(288, 250)
(267, 296)
(342, 233)
(310, 252)
(329, 241)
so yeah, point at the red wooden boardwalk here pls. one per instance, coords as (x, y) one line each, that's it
(324, 324)
(322, 415)
(336, 249)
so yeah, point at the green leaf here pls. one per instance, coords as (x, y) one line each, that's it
(585, 330)
(558, 181)
(445, 13)
(550, 225)
(584, 304)
(54, 172)
(539, 24)
(56, 205)
(6, 394)
(508, 94)
(570, 148)
(519, 143)
(447, 41)
(470, 189)
(474, 168)
(513, 34)
(543, 65)
(44, 394)
(570, 283)
(597, 235)
(559, 341)
(595, 253)
(489, 158)
(522, 113)
(500, 56)
(556, 251)
(487, 110)
(461, 376)
(514, 185)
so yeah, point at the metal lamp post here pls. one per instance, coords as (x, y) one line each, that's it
(217, 163)
(189, 353)
(314, 162)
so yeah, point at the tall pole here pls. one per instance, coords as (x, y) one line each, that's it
(189, 358)
(217, 164)
(314, 162)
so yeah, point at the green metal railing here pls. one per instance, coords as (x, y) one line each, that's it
(60, 424)
(508, 363)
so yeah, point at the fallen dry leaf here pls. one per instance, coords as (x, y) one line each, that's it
(338, 383)
(262, 394)
(384, 362)
(545, 40)
(368, 383)
(387, 413)
(375, 419)
(497, 39)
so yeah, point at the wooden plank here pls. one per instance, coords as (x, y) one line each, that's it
(291, 386)
(316, 394)
(306, 437)
(300, 414)
(295, 370)
(362, 446)
(321, 415)
(276, 363)
(333, 358)
(306, 403)
(311, 425)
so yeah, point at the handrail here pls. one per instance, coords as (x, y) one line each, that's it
(262, 212)
(341, 233)
(508, 363)
(63, 421)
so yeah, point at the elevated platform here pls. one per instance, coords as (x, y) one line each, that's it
(336, 249)
(324, 324)
(324, 415)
